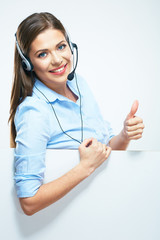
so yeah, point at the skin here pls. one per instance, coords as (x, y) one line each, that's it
(132, 130)
(48, 51)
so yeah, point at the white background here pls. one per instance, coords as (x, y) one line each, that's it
(119, 53)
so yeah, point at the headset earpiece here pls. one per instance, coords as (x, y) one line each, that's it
(26, 63)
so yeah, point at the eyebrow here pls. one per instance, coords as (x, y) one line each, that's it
(43, 50)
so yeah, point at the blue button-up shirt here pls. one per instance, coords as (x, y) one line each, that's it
(38, 129)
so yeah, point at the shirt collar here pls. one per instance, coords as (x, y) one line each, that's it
(42, 91)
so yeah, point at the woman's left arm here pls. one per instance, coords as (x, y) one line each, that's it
(132, 130)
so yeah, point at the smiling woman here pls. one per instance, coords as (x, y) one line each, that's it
(49, 111)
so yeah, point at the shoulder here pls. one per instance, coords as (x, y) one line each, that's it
(31, 109)
(81, 80)
(33, 124)
(84, 87)
(83, 84)
(31, 103)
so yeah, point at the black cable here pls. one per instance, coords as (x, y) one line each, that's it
(57, 116)
(80, 99)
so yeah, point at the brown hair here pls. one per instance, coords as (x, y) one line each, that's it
(23, 81)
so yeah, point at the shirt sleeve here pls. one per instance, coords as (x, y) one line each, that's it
(111, 133)
(31, 140)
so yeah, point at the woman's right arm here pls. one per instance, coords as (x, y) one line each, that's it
(92, 155)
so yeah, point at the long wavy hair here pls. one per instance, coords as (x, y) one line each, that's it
(23, 81)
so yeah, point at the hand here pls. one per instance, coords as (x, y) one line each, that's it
(93, 154)
(133, 126)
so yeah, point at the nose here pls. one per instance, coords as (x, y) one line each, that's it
(56, 59)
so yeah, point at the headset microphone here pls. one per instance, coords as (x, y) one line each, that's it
(71, 75)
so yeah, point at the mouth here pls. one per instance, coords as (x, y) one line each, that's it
(60, 70)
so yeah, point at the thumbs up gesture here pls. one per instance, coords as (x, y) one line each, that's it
(133, 126)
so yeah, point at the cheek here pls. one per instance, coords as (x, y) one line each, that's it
(40, 66)
(68, 56)
(71, 58)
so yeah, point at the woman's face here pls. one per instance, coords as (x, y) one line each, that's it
(51, 57)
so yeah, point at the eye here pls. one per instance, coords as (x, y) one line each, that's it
(61, 47)
(42, 55)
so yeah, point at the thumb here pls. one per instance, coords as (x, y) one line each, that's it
(134, 109)
(87, 142)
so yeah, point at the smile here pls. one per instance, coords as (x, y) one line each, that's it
(59, 70)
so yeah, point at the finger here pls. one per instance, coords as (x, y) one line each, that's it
(134, 121)
(133, 110)
(104, 148)
(95, 143)
(87, 142)
(135, 127)
(134, 133)
(100, 146)
(138, 136)
(108, 151)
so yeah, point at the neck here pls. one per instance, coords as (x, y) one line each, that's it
(63, 90)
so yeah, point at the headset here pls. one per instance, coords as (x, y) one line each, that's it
(28, 66)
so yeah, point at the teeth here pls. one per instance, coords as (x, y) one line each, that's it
(58, 70)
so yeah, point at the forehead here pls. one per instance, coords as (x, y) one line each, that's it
(47, 38)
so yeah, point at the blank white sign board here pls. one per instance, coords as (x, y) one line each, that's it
(119, 201)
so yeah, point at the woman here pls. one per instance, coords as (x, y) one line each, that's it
(48, 111)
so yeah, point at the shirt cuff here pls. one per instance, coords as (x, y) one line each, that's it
(27, 184)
